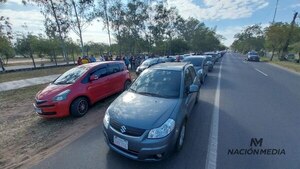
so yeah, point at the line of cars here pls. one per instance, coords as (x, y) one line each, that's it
(148, 120)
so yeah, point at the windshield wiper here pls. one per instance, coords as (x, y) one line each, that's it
(150, 94)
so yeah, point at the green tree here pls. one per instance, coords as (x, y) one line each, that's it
(251, 38)
(26, 46)
(6, 50)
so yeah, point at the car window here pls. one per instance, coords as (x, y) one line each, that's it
(187, 79)
(121, 66)
(160, 83)
(100, 72)
(113, 68)
(194, 61)
(193, 73)
(71, 75)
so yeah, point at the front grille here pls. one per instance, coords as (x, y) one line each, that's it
(40, 101)
(131, 131)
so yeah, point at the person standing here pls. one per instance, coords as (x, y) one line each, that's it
(79, 61)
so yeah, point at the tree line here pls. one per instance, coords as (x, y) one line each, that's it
(135, 26)
(278, 38)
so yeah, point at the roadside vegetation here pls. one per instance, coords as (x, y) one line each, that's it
(278, 43)
(138, 27)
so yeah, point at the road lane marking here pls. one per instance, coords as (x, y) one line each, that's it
(212, 151)
(261, 72)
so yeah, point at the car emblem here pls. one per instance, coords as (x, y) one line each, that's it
(123, 129)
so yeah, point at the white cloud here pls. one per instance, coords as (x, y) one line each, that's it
(34, 22)
(218, 9)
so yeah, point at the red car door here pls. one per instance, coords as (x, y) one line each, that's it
(99, 85)
(116, 77)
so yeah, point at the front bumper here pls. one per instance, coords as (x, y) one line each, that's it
(52, 109)
(141, 148)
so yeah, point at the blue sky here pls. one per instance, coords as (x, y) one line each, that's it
(229, 16)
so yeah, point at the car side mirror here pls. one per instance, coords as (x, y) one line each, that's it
(93, 77)
(193, 88)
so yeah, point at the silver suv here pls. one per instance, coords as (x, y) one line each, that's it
(148, 121)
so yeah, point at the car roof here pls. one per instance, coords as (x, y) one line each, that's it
(170, 66)
(94, 64)
(195, 56)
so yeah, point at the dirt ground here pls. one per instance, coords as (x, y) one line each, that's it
(26, 138)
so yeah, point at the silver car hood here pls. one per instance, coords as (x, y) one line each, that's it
(141, 111)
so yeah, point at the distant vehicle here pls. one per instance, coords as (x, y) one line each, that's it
(148, 63)
(209, 62)
(170, 59)
(253, 56)
(199, 63)
(75, 90)
(214, 55)
(149, 120)
(290, 56)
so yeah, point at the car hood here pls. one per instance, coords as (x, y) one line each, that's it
(141, 111)
(50, 91)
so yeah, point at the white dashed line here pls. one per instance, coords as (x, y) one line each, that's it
(212, 152)
(261, 72)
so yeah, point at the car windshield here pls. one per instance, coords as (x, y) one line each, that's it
(71, 75)
(209, 58)
(158, 83)
(195, 61)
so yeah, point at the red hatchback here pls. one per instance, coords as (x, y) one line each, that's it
(78, 88)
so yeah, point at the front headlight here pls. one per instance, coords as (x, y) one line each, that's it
(62, 96)
(163, 130)
(106, 120)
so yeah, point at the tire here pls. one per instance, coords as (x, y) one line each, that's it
(126, 85)
(181, 137)
(79, 107)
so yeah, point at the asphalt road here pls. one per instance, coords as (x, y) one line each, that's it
(256, 101)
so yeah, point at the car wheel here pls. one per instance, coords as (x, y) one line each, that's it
(126, 85)
(79, 107)
(181, 137)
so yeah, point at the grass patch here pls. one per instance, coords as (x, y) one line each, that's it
(264, 59)
(5, 77)
(290, 65)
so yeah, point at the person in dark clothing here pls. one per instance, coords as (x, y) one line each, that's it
(79, 61)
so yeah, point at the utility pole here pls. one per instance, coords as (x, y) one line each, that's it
(285, 47)
(275, 11)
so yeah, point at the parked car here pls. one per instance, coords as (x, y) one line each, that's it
(148, 121)
(75, 90)
(253, 56)
(214, 55)
(200, 65)
(148, 63)
(209, 62)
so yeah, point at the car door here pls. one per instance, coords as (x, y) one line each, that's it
(99, 87)
(116, 77)
(205, 67)
(189, 97)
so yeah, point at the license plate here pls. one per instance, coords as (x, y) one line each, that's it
(121, 142)
(37, 110)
